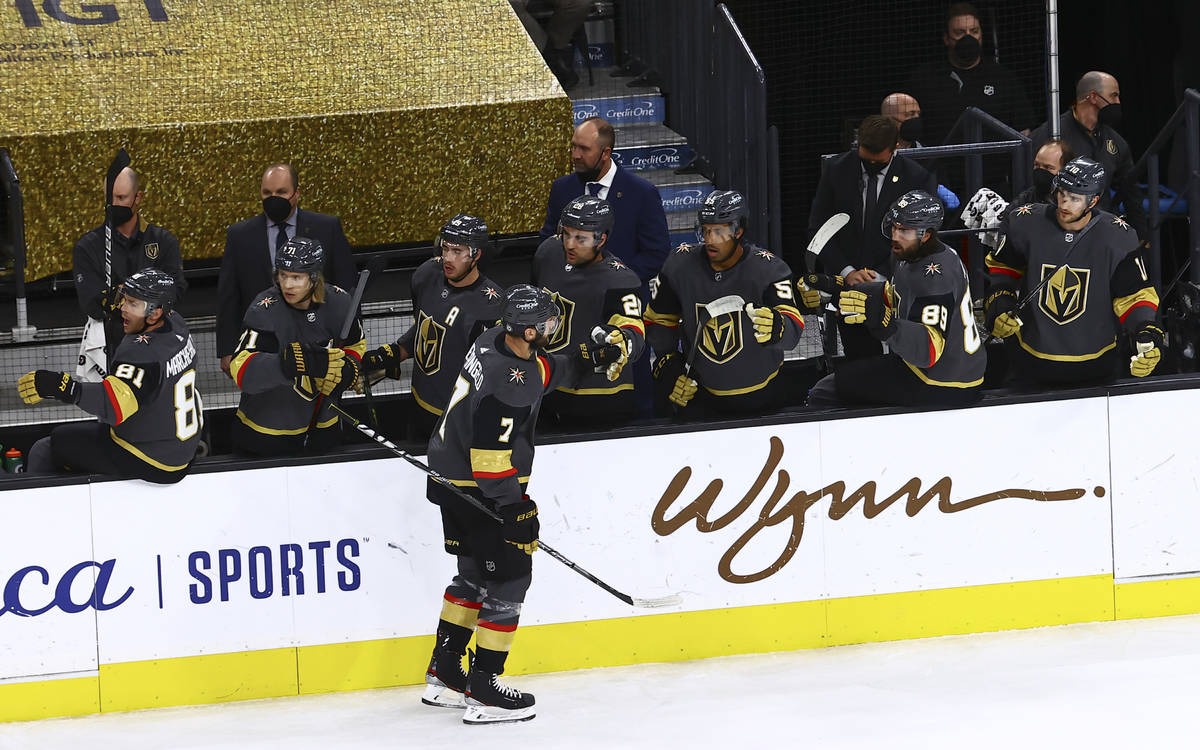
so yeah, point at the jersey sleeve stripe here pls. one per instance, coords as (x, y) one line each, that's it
(123, 400)
(661, 319)
(491, 464)
(1146, 297)
(792, 313)
(494, 474)
(112, 397)
(239, 365)
(544, 369)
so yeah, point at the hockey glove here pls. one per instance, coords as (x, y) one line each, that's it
(296, 360)
(1148, 342)
(683, 391)
(521, 524)
(343, 371)
(998, 313)
(618, 337)
(111, 298)
(670, 384)
(768, 323)
(873, 304)
(386, 357)
(599, 355)
(35, 386)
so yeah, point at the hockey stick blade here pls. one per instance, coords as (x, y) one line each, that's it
(119, 162)
(730, 303)
(832, 226)
(665, 601)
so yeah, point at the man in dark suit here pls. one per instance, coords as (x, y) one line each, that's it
(639, 236)
(863, 182)
(247, 267)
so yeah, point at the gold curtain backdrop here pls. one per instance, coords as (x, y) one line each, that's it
(396, 114)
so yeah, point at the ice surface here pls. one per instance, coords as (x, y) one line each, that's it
(1131, 684)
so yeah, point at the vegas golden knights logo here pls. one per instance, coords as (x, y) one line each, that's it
(721, 337)
(430, 335)
(566, 308)
(1064, 297)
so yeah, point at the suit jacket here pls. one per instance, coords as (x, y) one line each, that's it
(841, 190)
(639, 236)
(246, 268)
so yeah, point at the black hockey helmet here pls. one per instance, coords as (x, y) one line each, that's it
(589, 213)
(465, 229)
(1081, 175)
(723, 207)
(154, 287)
(525, 306)
(916, 209)
(301, 255)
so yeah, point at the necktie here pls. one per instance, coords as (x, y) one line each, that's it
(593, 189)
(281, 238)
(869, 203)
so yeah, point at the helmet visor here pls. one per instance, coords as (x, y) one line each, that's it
(714, 233)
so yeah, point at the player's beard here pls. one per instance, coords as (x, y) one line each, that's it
(906, 253)
(540, 341)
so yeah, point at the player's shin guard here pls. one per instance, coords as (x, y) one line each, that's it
(490, 701)
(445, 680)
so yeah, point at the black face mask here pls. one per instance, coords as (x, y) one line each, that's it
(1042, 178)
(118, 215)
(277, 208)
(912, 130)
(873, 167)
(966, 50)
(1111, 115)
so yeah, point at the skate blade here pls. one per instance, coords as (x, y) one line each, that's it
(442, 697)
(494, 715)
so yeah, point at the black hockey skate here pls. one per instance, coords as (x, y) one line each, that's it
(490, 701)
(445, 680)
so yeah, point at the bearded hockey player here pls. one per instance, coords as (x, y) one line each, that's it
(484, 444)
(736, 355)
(593, 290)
(453, 302)
(923, 314)
(1084, 278)
(148, 407)
(291, 361)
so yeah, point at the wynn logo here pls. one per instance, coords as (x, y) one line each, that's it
(778, 509)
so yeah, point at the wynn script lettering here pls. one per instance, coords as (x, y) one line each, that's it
(777, 510)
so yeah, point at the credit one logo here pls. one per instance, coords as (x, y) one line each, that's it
(684, 200)
(29, 593)
(91, 14)
(262, 571)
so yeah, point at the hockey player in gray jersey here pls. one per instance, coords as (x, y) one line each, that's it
(1095, 284)
(453, 302)
(291, 361)
(148, 407)
(484, 443)
(737, 355)
(924, 315)
(593, 289)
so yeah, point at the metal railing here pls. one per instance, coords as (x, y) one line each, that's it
(1186, 114)
(716, 97)
(15, 205)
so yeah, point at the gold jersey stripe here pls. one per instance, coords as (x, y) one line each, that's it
(1062, 357)
(133, 449)
(1122, 305)
(472, 483)
(597, 391)
(327, 423)
(425, 405)
(661, 319)
(943, 383)
(359, 347)
(992, 263)
(459, 615)
(267, 430)
(484, 461)
(937, 342)
(126, 402)
(624, 321)
(739, 391)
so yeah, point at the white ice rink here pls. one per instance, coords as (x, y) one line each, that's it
(1133, 684)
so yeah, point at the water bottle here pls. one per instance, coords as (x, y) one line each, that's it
(14, 462)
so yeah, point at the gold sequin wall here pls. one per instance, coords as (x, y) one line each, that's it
(396, 114)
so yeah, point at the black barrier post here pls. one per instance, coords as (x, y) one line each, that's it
(1155, 242)
(22, 331)
(1193, 184)
(776, 231)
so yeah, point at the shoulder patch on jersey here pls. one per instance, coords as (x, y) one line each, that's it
(766, 254)
(337, 289)
(516, 375)
(491, 292)
(267, 301)
(1121, 223)
(143, 338)
(617, 264)
(683, 247)
(1025, 210)
(932, 268)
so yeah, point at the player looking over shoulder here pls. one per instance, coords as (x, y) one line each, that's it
(148, 407)
(484, 444)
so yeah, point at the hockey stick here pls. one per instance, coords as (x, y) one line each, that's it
(119, 162)
(374, 266)
(824, 234)
(730, 303)
(1045, 279)
(662, 601)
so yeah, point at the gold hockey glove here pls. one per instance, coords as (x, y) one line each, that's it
(1147, 342)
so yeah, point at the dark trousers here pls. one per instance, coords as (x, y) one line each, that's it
(88, 448)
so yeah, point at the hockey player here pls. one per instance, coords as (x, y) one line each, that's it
(1095, 283)
(592, 288)
(291, 361)
(739, 353)
(453, 302)
(923, 314)
(484, 444)
(148, 407)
